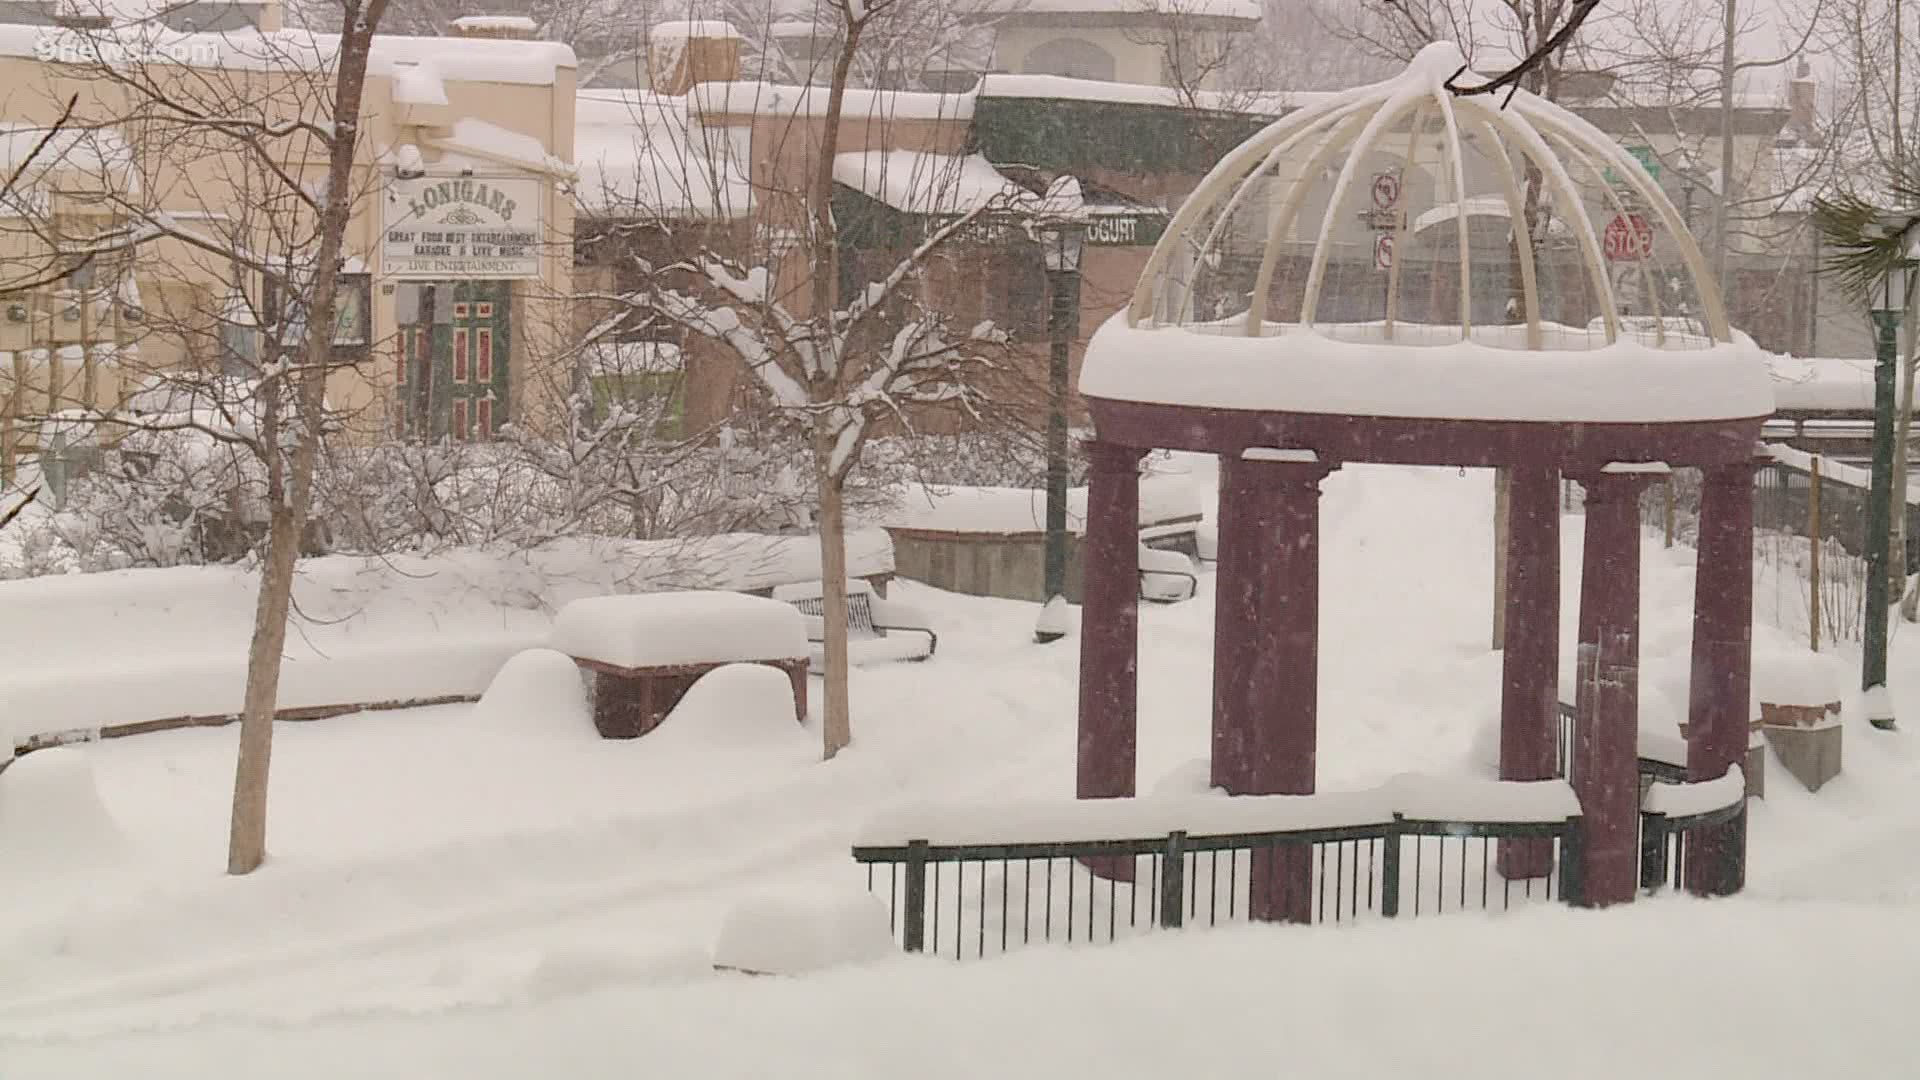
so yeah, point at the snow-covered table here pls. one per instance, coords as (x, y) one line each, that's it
(645, 651)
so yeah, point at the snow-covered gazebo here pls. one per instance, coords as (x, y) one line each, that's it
(1549, 315)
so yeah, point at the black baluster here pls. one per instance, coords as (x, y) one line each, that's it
(915, 915)
(1172, 882)
(981, 949)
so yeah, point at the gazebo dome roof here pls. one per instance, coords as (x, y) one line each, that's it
(1404, 251)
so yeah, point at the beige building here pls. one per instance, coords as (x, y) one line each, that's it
(462, 223)
(1181, 43)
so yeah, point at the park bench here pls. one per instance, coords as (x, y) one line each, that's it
(878, 630)
(1166, 577)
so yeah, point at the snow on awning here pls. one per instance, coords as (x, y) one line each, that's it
(919, 182)
(478, 138)
(417, 85)
(78, 157)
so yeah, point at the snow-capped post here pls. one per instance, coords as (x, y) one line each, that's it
(1721, 678)
(1530, 699)
(1109, 624)
(1607, 729)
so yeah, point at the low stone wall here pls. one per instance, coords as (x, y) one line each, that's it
(1011, 566)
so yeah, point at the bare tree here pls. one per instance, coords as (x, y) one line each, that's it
(243, 170)
(838, 344)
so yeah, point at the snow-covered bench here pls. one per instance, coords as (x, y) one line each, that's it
(1166, 577)
(646, 650)
(878, 630)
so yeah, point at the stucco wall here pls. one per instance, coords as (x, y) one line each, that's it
(211, 184)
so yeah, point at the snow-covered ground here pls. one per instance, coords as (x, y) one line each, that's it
(476, 891)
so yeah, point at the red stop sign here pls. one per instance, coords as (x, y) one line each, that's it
(1628, 238)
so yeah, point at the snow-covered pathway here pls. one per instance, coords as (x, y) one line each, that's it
(433, 860)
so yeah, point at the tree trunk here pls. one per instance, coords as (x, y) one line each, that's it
(836, 724)
(290, 484)
(247, 840)
(1722, 206)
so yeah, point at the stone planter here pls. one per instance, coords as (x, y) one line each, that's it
(1807, 739)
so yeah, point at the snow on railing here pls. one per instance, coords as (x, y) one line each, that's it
(1703, 797)
(1694, 834)
(1413, 797)
(957, 877)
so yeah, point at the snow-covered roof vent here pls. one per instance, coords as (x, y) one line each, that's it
(516, 27)
(1501, 239)
(689, 51)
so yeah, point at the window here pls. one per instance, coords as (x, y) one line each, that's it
(1073, 58)
(660, 394)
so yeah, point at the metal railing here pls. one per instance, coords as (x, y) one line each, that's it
(968, 899)
(1670, 845)
(1651, 769)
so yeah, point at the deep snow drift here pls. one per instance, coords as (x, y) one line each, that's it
(492, 890)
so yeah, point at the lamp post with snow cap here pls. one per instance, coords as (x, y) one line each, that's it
(1889, 302)
(1062, 240)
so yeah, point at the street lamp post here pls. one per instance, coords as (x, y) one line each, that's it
(1889, 304)
(1062, 246)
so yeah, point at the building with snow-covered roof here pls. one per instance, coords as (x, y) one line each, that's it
(1175, 43)
(461, 225)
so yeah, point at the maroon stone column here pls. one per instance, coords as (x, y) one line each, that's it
(1109, 621)
(1244, 541)
(1720, 697)
(1606, 774)
(1530, 698)
(1283, 682)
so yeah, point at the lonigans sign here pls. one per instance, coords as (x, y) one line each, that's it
(440, 227)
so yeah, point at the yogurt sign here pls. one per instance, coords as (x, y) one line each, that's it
(440, 227)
